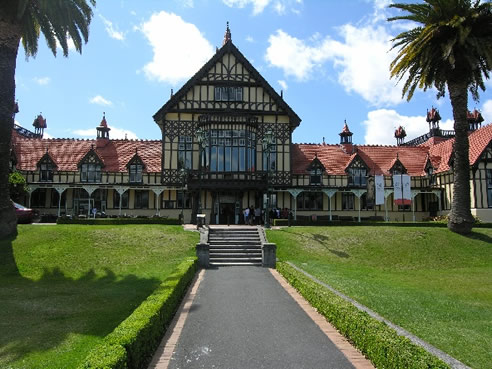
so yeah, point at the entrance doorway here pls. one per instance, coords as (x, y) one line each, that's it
(226, 213)
(226, 208)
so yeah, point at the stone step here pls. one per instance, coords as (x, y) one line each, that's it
(240, 260)
(254, 239)
(235, 255)
(232, 241)
(234, 263)
(242, 234)
(235, 250)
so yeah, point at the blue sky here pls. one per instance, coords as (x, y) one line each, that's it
(331, 59)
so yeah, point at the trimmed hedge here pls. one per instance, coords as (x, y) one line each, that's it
(118, 221)
(132, 343)
(378, 342)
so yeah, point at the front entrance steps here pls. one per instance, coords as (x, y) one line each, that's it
(234, 246)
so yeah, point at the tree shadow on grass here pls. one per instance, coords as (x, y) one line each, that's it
(324, 241)
(480, 236)
(44, 314)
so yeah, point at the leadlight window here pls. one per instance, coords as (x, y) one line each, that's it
(141, 199)
(187, 200)
(136, 170)
(231, 150)
(310, 201)
(348, 200)
(46, 172)
(315, 177)
(228, 94)
(124, 200)
(357, 177)
(185, 152)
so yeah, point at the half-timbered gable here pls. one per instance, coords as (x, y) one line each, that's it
(46, 166)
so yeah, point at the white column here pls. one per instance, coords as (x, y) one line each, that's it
(330, 193)
(60, 190)
(121, 190)
(295, 192)
(90, 190)
(359, 194)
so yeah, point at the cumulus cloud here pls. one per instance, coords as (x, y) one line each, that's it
(111, 30)
(487, 111)
(279, 6)
(99, 100)
(115, 133)
(381, 124)
(42, 80)
(174, 60)
(361, 60)
(283, 84)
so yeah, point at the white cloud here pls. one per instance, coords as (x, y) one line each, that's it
(99, 100)
(111, 30)
(174, 60)
(70, 44)
(187, 3)
(250, 39)
(279, 6)
(487, 111)
(42, 80)
(381, 124)
(115, 133)
(283, 84)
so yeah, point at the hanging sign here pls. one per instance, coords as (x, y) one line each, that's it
(379, 183)
(402, 191)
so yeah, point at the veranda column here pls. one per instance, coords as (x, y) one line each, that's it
(387, 192)
(295, 192)
(358, 193)
(60, 190)
(414, 194)
(30, 190)
(330, 193)
(90, 190)
(121, 190)
(157, 191)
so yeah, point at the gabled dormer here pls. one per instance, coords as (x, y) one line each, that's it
(90, 167)
(135, 168)
(429, 171)
(46, 166)
(316, 169)
(397, 167)
(357, 171)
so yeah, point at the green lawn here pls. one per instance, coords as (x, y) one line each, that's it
(64, 287)
(434, 283)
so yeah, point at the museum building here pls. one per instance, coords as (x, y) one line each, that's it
(227, 145)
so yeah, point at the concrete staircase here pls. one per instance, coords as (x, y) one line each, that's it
(234, 246)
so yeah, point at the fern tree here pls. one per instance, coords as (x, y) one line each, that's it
(450, 46)
(24, 20)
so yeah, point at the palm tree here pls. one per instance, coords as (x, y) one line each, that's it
(450, 46)
(60, 21)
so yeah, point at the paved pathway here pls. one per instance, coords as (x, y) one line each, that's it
(241, 317)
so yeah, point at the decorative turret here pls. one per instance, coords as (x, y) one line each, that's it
(433, 119)
(400, 135)
(39, 125)
(346, 139)
(475, 120)
(227, 35)
(102, 133)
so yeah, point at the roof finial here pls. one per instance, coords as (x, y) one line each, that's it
(227, 35)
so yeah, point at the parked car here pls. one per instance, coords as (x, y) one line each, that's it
(25, 215)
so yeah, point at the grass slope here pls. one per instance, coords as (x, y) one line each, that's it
(63, 288)
(434, 283)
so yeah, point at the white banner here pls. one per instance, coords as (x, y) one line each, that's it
(402, 191)
(379, 183)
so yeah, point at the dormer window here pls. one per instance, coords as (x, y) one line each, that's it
(357, 173)
(315, 177)
(316, 170)
(228, 94)
(46, 168)
(90, 168)
(136, 173)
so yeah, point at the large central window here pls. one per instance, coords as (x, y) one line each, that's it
(231, 150)
(228, 94)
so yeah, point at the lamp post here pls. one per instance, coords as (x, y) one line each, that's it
(267, 143)
(183, 173)
(202, 138)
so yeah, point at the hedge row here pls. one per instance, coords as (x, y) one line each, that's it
(378, 342)
(306, 222)
(132, 344)
(118, 221)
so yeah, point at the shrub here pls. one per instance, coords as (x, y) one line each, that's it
(117, 221)
(378, 342)
(140, 333)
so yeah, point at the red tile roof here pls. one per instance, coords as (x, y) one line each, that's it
(67, 153)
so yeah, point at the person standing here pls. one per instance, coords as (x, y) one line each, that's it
(246, 215)
(257, 215)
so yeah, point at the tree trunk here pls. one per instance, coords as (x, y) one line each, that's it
(460, 219)
(9, 44)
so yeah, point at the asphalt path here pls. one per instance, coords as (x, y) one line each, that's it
(241, 317)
